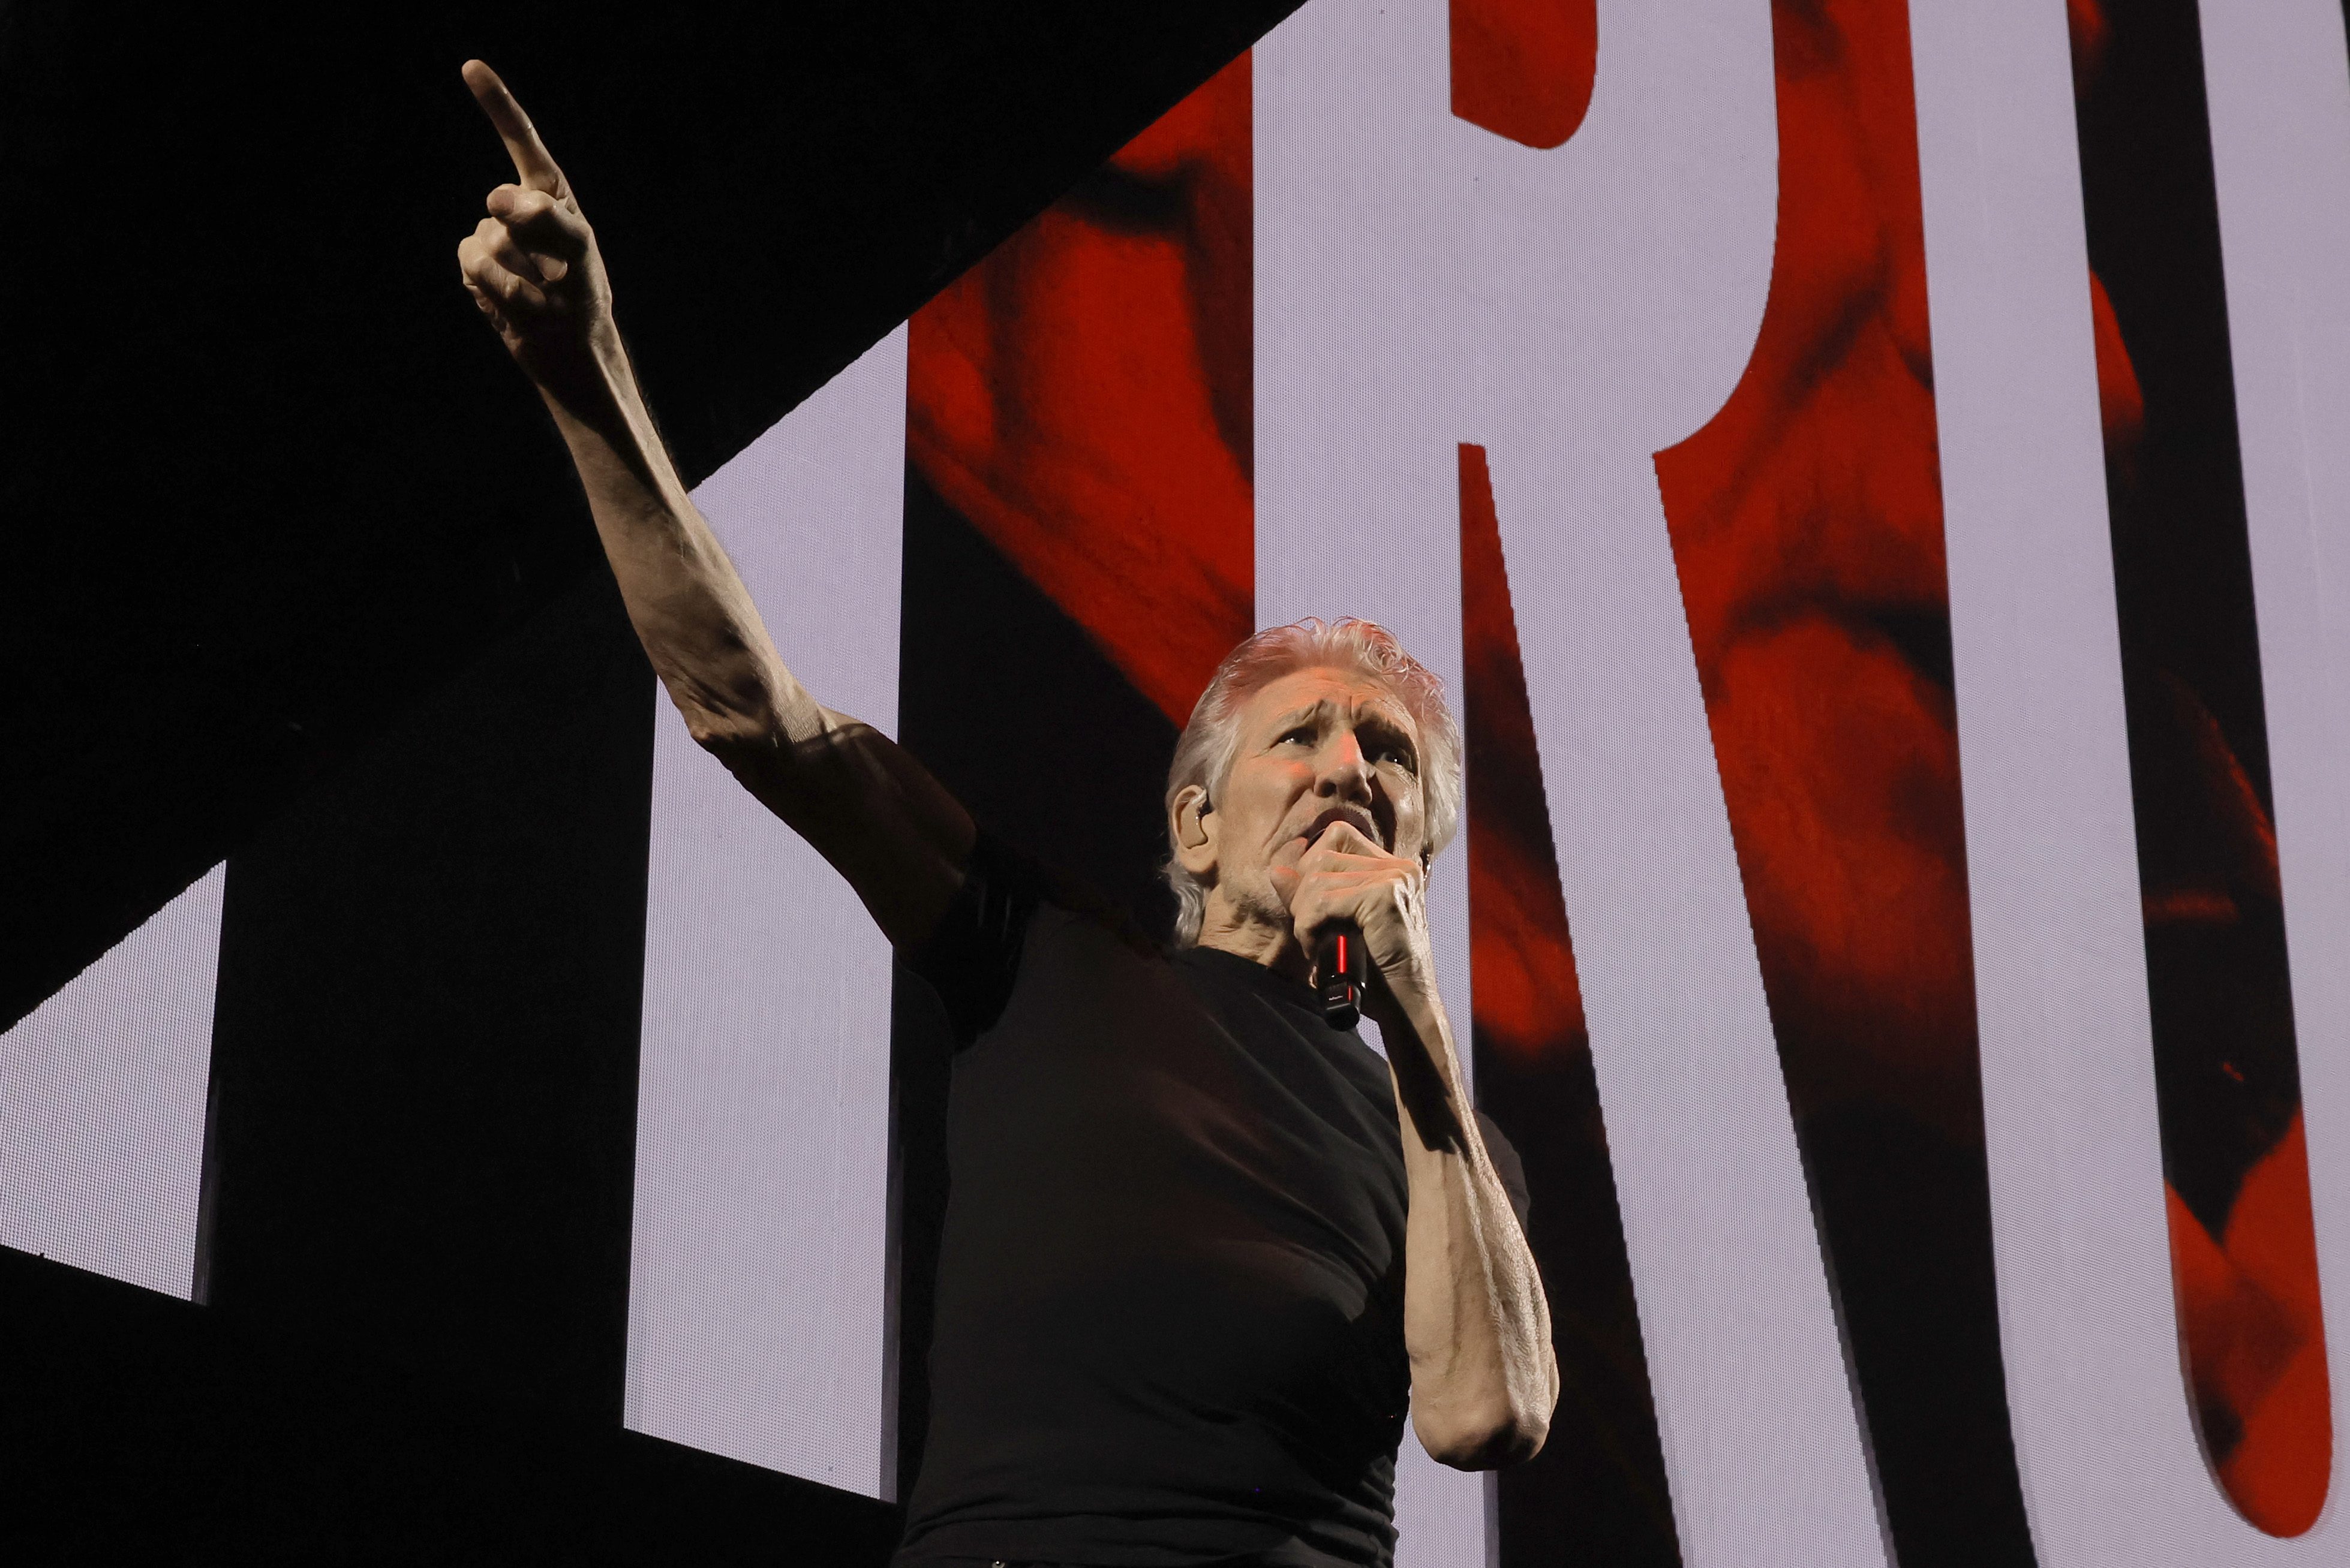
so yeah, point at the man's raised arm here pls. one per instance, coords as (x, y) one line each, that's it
(869, 807)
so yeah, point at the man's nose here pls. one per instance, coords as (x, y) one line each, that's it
(1346, 773)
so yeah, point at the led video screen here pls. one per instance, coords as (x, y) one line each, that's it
(1875, 479)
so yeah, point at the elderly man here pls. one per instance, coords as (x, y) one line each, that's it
(1202, 1247)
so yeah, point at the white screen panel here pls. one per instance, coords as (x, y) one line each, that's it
(759, 1270)
(102, 1091)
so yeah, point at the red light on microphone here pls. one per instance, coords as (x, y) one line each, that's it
(1340, 968)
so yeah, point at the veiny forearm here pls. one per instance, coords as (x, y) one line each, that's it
(1476, 1325)
(533, 268)
(689, 606)
(872, 811)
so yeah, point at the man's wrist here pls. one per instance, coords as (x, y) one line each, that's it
(1406, 1000)
(583, 377)
(1428, 1091)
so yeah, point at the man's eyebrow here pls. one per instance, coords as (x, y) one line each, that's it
(1312, 710)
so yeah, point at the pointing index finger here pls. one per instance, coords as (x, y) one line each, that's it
(534, 168)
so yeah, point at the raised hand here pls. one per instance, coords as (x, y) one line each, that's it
(532, 263)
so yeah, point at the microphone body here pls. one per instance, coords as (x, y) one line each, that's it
(1342, 968)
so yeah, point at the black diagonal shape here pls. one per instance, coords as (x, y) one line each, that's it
(269, 481)
(300, 574)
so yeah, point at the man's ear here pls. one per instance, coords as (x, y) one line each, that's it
(1191, 822)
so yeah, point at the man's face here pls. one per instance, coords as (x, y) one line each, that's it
(1315, 746)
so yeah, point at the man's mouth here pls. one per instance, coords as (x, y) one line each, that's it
(1355, 815)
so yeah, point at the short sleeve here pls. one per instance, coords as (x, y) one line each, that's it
(972, 957)
(1507, 1165)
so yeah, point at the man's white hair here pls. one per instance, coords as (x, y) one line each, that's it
(1211, 740)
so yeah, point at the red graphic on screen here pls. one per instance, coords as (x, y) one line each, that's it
(1529, 1004)
(2227, 1065)
(1524, 69)
(1082, 396)
(1806, 523)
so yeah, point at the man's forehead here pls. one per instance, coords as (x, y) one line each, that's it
(1342, 688)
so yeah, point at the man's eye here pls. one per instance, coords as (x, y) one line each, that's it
(1301, 734)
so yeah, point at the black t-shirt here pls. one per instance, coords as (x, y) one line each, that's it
(1170, 1320)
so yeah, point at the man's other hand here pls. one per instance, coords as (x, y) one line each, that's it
(532, 264)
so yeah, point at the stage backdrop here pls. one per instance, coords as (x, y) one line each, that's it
(1875, 479)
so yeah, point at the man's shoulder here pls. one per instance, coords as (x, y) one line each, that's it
(1016, 916)
(1069, 902)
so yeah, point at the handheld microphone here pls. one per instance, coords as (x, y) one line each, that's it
(1342, 968)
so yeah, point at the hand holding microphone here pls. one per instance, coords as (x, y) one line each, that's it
(1354, 898)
